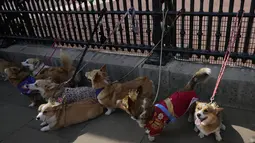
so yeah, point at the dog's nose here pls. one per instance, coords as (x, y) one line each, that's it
(198, 115)
(38, 118)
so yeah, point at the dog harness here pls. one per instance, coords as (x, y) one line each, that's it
(71, 95)
(98, 91)
(178, 102)
(27, 80)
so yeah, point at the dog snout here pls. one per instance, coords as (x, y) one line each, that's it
(37, 118)
(198, 115)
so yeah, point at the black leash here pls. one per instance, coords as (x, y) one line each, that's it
(102, 13)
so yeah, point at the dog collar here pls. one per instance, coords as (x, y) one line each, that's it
(27, 80)
(166, 112)
(99, 90)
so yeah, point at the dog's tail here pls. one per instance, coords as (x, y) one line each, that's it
(65, 60)
(199, 77)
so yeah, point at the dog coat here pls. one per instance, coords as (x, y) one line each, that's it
(71, 95)
(27, 80)
(181, 102)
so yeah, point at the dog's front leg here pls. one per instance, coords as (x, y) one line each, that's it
(218, 136)
(49, 126)
(151, 138)
(109, 111)
(43, 124)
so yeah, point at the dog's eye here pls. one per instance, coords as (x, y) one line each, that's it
(36, 84)
(198, 108)
(44, 112)
(205, 111)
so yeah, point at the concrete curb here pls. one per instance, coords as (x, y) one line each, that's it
(236, 88)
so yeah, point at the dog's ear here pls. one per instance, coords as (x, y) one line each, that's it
(97, 77)
(130, 102)
(139, 90)
(103, 68)
(218, 110)
(40, 107)
(36, 61)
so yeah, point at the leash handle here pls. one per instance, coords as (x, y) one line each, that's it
(227, 54)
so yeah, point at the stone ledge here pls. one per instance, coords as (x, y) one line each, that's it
(236, 88)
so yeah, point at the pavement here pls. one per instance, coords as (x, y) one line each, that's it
(18, 125)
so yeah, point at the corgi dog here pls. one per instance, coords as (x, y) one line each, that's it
(208, 119)
(55, 115)
(155, 117)
(108, 93)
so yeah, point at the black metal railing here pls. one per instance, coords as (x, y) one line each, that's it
(201, 33)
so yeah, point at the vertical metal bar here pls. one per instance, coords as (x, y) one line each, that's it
(199, 34)
(192, 4)
(218, 32)
(30, 16)
(209, 27)
(126, 23)
(77, 21)
(38, 19)
(10, 19)
(133, 23)
(46, 17)
(66, 25)
(141, 22)
(56, 20)
(101, 25)
(88, 18)
(249, 28)
(119, 18)
(84, 27)
(148, 30)
(62, 22)
(238, 33)
(113, 22)
(53, 27)
(41, 18)
(72, 20)
(27, 19)
(94, 19)
(230, 10)
(107, 24)
(182, 25)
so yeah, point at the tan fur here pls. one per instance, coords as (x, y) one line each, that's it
(142, 109)
(16, 75)
(116, 91)
(74, 113)
(212, 113)
(6, 64)
(59, 74)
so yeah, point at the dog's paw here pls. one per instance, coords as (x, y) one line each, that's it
(201, 135)
(223, 127)
(133, 118)
(195, 129)
(43, 124)
(147, 131)
(109, 111)
(218, 138)
(31, 105)
(151, 138)
(45, 129)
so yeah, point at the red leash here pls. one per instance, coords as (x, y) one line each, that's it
(227, 54)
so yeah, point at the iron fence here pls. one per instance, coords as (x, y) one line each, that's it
(201, 33)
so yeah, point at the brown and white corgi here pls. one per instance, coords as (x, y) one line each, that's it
(108, 93)
(155, 117)
(208, 120)
(55, 115)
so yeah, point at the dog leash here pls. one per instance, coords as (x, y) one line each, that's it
(151, 52)
(231, 44)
